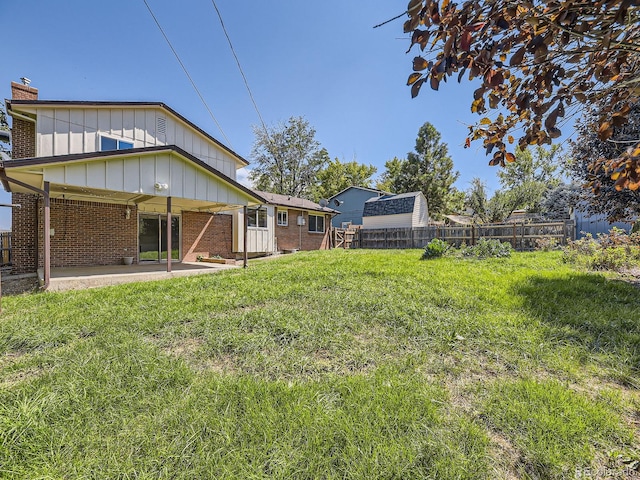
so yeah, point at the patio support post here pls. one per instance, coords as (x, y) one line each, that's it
(47, 237)
(244, 238)
(169, 234)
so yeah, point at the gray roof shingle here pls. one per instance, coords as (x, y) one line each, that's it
(390, 205)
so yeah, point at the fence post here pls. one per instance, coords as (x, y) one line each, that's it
(514, 237)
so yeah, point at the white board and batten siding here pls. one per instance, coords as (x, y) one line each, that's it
(259, 240)
(63, 131)
(139, 174)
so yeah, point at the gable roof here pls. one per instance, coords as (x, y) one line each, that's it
(293, 202)
(74, 103)
(372, 190)
(78, 157)
(390, 204)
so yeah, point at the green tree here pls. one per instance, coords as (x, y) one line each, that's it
(587, 166)
(392, 171)
(337, 176)
(532, 176)
(490, 210)
(287, 158)
(4, 126)
(477, 200)
(428, 169)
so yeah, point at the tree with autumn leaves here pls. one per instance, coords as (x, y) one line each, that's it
(537, 63)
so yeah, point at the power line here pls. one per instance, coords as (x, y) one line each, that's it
(187, 73)
(246, 83)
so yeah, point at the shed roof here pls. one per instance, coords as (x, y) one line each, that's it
(390, 204)
(460, 219)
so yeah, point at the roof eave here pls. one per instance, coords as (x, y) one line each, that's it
(36, 161)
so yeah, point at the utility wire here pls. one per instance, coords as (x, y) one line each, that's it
(187, 73)
(246, 83)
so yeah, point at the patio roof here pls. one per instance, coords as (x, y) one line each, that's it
(131, 176)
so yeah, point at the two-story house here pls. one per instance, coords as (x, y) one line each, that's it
(102, 181)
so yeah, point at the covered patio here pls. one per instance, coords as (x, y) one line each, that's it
(94, 210)
(77, 278)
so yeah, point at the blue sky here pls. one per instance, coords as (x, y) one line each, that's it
(321, 60)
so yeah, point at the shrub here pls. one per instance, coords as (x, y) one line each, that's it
(611, 251)
(435, 248)
(488, 248)
(546, 244)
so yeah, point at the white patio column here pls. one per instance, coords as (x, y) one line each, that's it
(169, 234)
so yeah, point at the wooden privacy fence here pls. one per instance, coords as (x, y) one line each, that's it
(522, 236)
(5, 248)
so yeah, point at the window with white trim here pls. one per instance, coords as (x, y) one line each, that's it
(107, 143)
(257, 217)
(316, 223)
(283, 218)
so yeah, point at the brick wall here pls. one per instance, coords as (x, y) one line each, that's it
(23, 139)
(23, 133)
(24, 241)
(89, 233)
(207, 235)
(289, 237)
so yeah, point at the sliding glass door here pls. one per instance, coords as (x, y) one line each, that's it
(152, 237)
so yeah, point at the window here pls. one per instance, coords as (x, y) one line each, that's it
(257, 217)
(283, 218)
(107, 143)
(316, 223)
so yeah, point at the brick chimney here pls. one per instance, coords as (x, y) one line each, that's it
(23, 92)
(23, 132)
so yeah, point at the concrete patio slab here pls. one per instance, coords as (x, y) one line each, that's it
(78, 278)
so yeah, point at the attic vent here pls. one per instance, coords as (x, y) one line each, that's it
(161, 126)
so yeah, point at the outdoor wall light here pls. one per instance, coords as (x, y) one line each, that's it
(127, 213)
(161, 186)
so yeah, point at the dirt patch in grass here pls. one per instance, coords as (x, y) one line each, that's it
(222, 365)
(506, 458)
(184, 348)
(19, 284)
(16, 378)
(11, 357)
(188, 350)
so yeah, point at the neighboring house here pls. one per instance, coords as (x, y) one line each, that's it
(350, 202)
(284, 223)
(101, 181)
(406, 210)
(595, 224)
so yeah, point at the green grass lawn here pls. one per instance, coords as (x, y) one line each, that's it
(340, 364)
